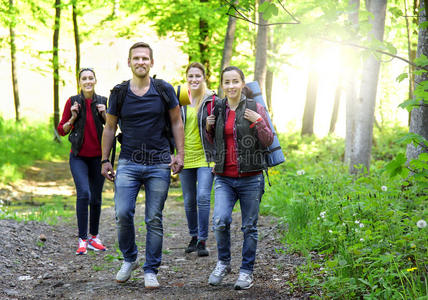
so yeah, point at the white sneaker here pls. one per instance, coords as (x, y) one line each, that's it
(245, 281)
(218, 273)
(151, 281)
(125, 271)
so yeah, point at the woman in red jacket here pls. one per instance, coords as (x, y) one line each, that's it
(241, 134)
(83, 119)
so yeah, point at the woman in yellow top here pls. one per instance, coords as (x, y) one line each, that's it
(197, 177)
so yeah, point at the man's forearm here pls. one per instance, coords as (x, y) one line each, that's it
(107, 142)
(178, 133)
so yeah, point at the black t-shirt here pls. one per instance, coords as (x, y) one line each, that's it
(143, 126)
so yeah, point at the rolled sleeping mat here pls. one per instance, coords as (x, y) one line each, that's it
(274, 156)
(182, 93)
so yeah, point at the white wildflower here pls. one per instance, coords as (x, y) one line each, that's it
(301, 172)
(361, 225)
(361, 240)
(318, 218)
(322, 214)
(357, 222)
(384, 188)
(421, 224)
(331, 231)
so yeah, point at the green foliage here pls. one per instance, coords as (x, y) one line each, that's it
(23, 143)
(359, 234)
(51, 212)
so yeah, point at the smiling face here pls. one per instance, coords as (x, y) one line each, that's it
(232, 85)
(87, 81)
(140, 62)
(195, 79)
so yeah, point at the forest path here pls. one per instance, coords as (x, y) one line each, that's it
(32, 269)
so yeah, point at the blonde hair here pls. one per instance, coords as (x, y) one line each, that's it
(201, 67)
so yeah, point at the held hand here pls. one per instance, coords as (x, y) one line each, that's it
(251, 115)
(177, 163)
(210, 121)
(107, 171)
(75, 109)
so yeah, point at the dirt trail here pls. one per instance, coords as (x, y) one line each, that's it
(34, 270)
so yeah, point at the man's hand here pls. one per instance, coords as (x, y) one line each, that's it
(107, 171)
(177, 163)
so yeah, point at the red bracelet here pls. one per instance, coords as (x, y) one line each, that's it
(257, 121)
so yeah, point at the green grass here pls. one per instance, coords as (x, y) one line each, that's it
(359, 234)
(23, 143)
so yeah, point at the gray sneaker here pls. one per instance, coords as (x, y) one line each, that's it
(151, 281)
(218, 273)
(245, 281)
(125, 271)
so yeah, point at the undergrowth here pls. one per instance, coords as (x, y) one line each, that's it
(365, 236)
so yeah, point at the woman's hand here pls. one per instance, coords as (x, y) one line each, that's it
(251, 115)
(102, 110)
(210, 121)
(75, 110)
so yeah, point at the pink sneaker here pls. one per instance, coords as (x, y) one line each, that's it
(95, 244)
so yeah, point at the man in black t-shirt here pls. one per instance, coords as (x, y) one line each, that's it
(145, 159)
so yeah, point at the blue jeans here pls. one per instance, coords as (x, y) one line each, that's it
(249, 191)
(89, 183)
(196, 184)
(130, 176)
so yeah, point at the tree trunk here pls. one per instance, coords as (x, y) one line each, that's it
(55, 65)
(261, 51)
(419, 116)
(337, 96)
(409, 52)
(228, 48)
(365, 105)
(311, 100)
(76, 41)
(269, 75)
(203, 45)
(350, 86)
(269, 84)
(13, 62)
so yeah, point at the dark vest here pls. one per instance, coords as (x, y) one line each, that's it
(76, 135)
(251, 155)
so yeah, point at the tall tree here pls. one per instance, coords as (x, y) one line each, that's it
(203, 43)
(335, 113)
(76, 40)
(419, 115)
(365, 105)
(350, 86)
(260, 66)
(269, 72)
(12, 24)
(311, 98)
(228, 47)
(55, 66)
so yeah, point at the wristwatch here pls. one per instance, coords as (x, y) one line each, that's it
(105, 161)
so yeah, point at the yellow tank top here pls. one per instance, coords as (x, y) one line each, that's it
(194, 152)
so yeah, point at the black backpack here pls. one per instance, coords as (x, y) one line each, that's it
(122, 89)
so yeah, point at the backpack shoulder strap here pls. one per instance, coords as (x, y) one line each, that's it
(251, 104)
(75, 98)
(119, 91)
(160, 88)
